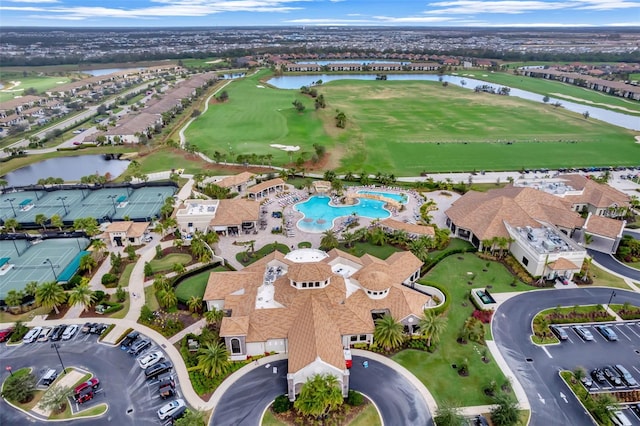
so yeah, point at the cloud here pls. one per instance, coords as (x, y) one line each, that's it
(606, 4)
(512, 7)
(32, 1)
(328, 21)
(416, 19)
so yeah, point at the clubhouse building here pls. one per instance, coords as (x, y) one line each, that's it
(313, 305)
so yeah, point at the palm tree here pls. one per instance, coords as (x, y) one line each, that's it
(41, 220)
(329, 240)
(214, 316)
(505, 411)
(161, 283)
(14, 298)
(213, 359)
(178, 243)
(388, 333)
(195, 304)
(11, 223)
(87, 263)
(82, 295)
(56, 222)
(31, 288)
(320, 395)
(432, 326)
(50, 295)
(377, 236)
(349, 238)
(167, 298)
(336, 186)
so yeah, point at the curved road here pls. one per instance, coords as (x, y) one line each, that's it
(398, 400)
(611, 263)
(537, 368)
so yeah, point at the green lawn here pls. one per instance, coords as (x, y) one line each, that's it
(549, 87)
(166, 262)
(604, 278)
(262, 252)
(150, 298)
(435, 370)
(126, 275)
(41, 84)
(368, 417)
(406, 127)
(360, 248)
(195, 285)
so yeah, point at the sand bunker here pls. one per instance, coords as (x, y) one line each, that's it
(285, 147)
(12, 87)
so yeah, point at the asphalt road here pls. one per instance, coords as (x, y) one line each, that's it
(537, 368)
(131, 400)
(611, 263)
(397, 400)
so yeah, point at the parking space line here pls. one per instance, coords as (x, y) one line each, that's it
(623, 333)
(547, 352)
(632, 329)
(636, 368)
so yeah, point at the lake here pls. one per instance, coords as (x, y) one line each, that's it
(67, 168)
(106, 71)
(616, 118)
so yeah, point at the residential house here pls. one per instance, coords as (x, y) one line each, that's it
(126, 233)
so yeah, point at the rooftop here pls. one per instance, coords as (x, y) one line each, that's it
(545, 239)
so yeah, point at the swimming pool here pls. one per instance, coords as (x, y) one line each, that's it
(320, 216)
(397, 197)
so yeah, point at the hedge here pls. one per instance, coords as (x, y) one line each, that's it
(433, 261)
(447, 297)
(123, 335)
(106, 331)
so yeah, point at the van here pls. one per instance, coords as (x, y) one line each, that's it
(32, 335)
(620, 419)
(49, 377)
(626, 376)
(157, 369)
(139, 346)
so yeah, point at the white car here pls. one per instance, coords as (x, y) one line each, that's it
(44, 334)
(32, 335)
(149, 359)
(69, 332)
(170, 408)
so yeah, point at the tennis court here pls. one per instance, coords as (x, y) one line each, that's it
(43, 261)
(104, 204)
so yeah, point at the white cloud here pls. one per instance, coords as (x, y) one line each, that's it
(328, 21)
(32, 1)
(467, 7)
(416, 19)
(606, 4)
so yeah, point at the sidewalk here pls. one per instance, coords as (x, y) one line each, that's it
(518, 390)
(193, 328)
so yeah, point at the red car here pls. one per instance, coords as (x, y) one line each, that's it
(93, 383)
(80, 399)
(5, 334)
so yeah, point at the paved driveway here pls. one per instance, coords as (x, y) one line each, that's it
(132, 401)
(611, 263)
(396, 398)
(537, 368)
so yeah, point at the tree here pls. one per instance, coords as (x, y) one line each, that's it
(448, 415)
(320, 395)
(100, 246)
(11, 223)
(121, 295)
(14, 298)
(82, 295)
(178, 268)
(50, 295)
(349, 238)
(56, 222)
(214, 316)
(341, 119)
(87, 263)
(195, 304)
(41, 220)
(213, 359)
(388, 333)
(191, 417)
(299, 106)
(377, 236)
(167, 298)
(602, 405)
(586, 115)
(19, 387)
(31, 288)
(56, 398)
(329, 240)
(473, 330)
(505, 413)
(432, 326)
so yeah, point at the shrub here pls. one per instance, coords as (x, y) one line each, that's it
(108, 279)
(484, 316)
(355, 398)
(146, 315)
(99, 296)
(19, 331)
(20, 386)
(282, 404)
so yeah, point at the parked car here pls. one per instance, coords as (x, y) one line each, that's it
(170, 408)
(559, 331)
(139, 346)
(598, 375)
(70, 331)
(607, 332)
(149, 359)
(32, 335)
(583, 332)
(612, 375)
(480, 420)
(129, 340)
(86, 327)
(5, 334)
(82, 398)
(176, 415)
(92, 383)
(620, 419)
(45, 334)
(97, 328)
(157, 369)
(626, 376)
(49, 377)
(57, 333)
(587, 382)
(167, 388)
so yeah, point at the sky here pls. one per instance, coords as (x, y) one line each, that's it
(214, 13)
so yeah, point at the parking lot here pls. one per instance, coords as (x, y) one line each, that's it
(132, 399)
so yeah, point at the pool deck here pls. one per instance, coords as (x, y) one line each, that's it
(291, 216)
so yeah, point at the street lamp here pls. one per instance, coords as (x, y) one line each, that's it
(55, 346)
(63, 205)
(613, 294)
(11, 200)
(47, 260)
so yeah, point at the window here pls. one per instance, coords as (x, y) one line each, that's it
(525, 261)
(235, 346)
(304, 285)
(354, 338)
(190, 224)
(363, 337)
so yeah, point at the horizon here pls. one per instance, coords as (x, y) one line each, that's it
(166, 14)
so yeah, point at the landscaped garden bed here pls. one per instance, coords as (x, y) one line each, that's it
(565, 315)
(626, 311)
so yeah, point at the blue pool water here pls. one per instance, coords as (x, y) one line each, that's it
(319, 215)
(397, 197)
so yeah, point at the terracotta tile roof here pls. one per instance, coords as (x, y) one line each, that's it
(374, 277)
(222, 284)
(336, 253)
(409, 227)
(234, 326)
(314, 335)
(562, 264)
(594, 193)
(265, 185)
(119, 226)
(235, 180)
(270, 324)
(604, 226)
(316, 271)
(485, 213)
(236, 211)
(137, 229)
(402, 264)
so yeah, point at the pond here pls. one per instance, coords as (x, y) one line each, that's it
(67, 168)
(616, 118)
(105, 71)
